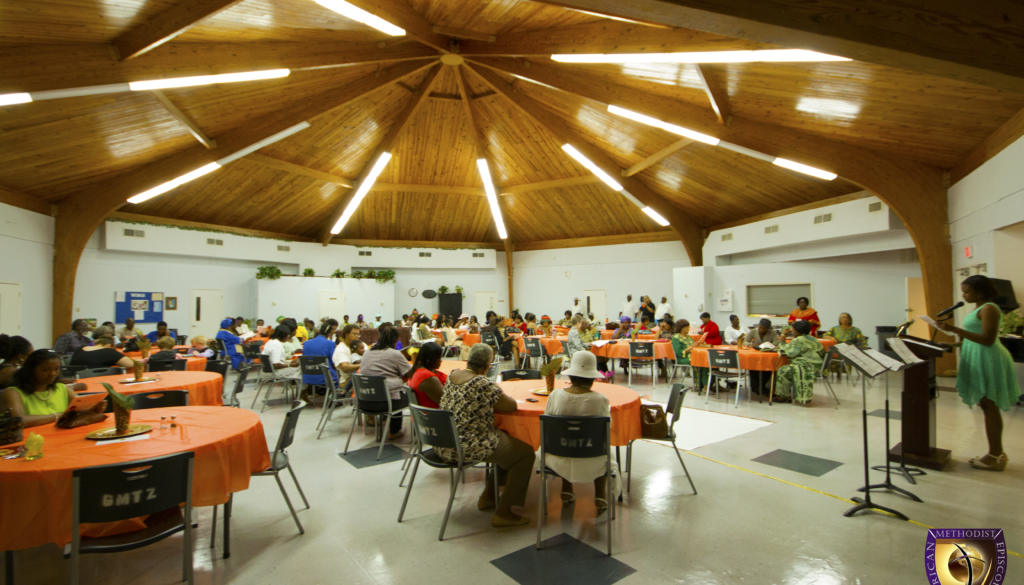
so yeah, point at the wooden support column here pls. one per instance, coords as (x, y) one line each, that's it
(509, 249)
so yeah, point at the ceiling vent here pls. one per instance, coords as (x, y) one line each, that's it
(365, 253)
(823, 218)
(875, 207)
(424, 254)
(213, 242)
(478, 254)
(727, 237)
(134, 233)
(772, 229)
(284, 248)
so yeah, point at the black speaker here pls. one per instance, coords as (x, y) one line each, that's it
(450, 305)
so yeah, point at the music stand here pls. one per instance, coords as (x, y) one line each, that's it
(895, 366)
(868, 368)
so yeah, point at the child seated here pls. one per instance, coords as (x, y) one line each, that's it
(166, 345)
(199, 348)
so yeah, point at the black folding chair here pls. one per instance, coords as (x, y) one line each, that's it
(97, 372)
(238, 387)
(181, 339)
(492, 371)
(70, 372)
(110, 493)
(279, 458)
(436, 429)
(725, 365)
(159, 399)
(574, 437)
(641, 355)
(490, 339)
(219, 366)
(332, 399)
(534, 349)
(167, 365)
(826, 367)
(310, 366)
(251, 352)
(267, 367)
(217, 346)
(372, 390)
(672, 410)
(520, 375)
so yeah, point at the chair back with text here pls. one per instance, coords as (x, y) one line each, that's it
(643, 350)
(728, 359)
(489, 338)
(219, 367)
(370, 389)
(520, 375)
(251, 351)
(575, 436)
(436, 428)
(97, 372)
(534, 348)
(167, 365)
(310, 365)
(119, 491)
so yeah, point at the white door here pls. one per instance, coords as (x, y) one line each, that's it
(916, 307)
(332, 304)
(10, 308)
(484, 301)
(206, 312)
(596, 302)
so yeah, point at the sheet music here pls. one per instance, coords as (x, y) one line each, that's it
(934, 325)
(884, 359)
(600, 342)
(901, 349)
(870, 367)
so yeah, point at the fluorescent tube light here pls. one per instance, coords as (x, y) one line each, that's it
(592, 167)
(56, 94)
(359, 15)
(207, 79)
(266, 141)
(174, 183)
(664, 125)
(361, 192)
(751, 153)
(655, 216)
(492, 197)
(770, 55)
(805, 169)
(14, 98)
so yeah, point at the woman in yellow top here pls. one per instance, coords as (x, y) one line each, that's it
(39, 398)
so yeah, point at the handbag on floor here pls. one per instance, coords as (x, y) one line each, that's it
(653, 423)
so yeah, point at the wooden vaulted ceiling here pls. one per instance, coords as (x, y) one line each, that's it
(54, 149)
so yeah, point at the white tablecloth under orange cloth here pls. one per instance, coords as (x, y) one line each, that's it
(35, 496)
(524, 424)
(204, 388)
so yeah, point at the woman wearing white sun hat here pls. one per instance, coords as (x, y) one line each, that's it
(580, 400)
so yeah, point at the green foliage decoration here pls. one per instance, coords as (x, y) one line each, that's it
(309, 272)
(339, 273)
(442, 290)
(268, 272)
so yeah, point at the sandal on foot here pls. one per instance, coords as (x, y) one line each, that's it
(483, 504)
(998, 465)
(601, 509)
(570, 499)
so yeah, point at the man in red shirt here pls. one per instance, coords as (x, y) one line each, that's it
(711, 328)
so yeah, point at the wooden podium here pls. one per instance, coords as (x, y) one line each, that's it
(918, 409)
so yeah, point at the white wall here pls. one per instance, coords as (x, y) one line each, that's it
(547, 280)
(26, 257)
(299, 297)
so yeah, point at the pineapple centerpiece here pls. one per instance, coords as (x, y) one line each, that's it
(144, 346)
(549, 371)
(139, 368)
(122, 409)
(10, 428)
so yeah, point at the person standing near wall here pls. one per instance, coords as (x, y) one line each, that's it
(628, 308)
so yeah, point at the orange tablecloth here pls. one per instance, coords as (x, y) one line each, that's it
(524, 424)
(204, 388)
(471, 339)
(621, 350)
(553, 345)
(750, 359)
(448, 366)
(35, 496)
(138, 354)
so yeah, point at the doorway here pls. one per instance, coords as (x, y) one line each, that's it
(596, 302)
(206, 311)
(332, 304)
(484, 301)
(10, 308)
(916, 307)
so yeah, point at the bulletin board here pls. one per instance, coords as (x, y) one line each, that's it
(142, 306)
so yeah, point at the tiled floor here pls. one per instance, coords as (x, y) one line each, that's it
(750, 523)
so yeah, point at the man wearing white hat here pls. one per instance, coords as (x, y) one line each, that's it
(580, 400)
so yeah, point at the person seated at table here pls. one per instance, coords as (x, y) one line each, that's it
(241, 327)
(344, 321)
(545, 326)
(579, 399)
(575, 342)
(487, 317)
(473, 399)
(293, 344)
(806, 354)
(161, 331)
(450, 335)
(320, 346)
(666, 328)
(644, 327)
(625, 330)
(361, 322)
(261, 329)
(423, 332)
(462, 322)
(14, 350)
(39, 398)
(425, 379)
(682, 346)
(384, 360)
(284, 369)
(803, 312)
(166, 346)
(567, 320)
(530, 324)
(735, 332)
(506, 348)
(763, 333)
(129, 331)
(589, 332)
(519, 324)
(101, 354)
(346, 356)
(199, 348)
(711, 328)
(845, 332)
(231, 342)
(73, 340)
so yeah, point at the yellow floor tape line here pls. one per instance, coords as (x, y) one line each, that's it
(803, 487)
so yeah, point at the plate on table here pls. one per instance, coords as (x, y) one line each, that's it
(134, 381)
(111, 433)
(541, 392)
(12, 452)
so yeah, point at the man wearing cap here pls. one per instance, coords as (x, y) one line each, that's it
(577, 308)
(763, 333)
(231, 342)
(377, 320)
(629, 308)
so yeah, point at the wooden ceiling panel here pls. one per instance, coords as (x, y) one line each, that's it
(422, 216)
(280, 20)
(573, 212)
(435, 149)
(79, 21)
(498, 16)
(51, 149)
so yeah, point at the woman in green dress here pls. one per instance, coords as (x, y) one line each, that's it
(845, 332)
(986, 376)
(682, 345)
(806, 354)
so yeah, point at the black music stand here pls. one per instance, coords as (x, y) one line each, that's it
(861, 361)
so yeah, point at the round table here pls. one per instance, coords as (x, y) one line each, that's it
(524, 424)
(471, 339)
(35, 496)
(194, 364)
(552, 345)
(620, 350)
(204, 388)
(750, 359)
(137, 355)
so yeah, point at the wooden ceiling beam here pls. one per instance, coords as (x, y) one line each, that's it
(689, 232)
(993, 144)
(657, 157)
(945, 39)
(555, 184)
(461, 33)
(715, 92)
(187, 122)
(47, 67)
(25, 201)
(423, 91)
(170, 23)
(418, 244)
(295, 169)
(604, 37)
(400, 14)
(413, 188)
(138, 217)
(644, 238)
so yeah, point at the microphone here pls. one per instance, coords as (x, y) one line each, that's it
(951, 309)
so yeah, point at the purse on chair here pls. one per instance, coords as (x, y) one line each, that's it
(653, 423)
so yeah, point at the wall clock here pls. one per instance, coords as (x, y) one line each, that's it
(413, 292)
